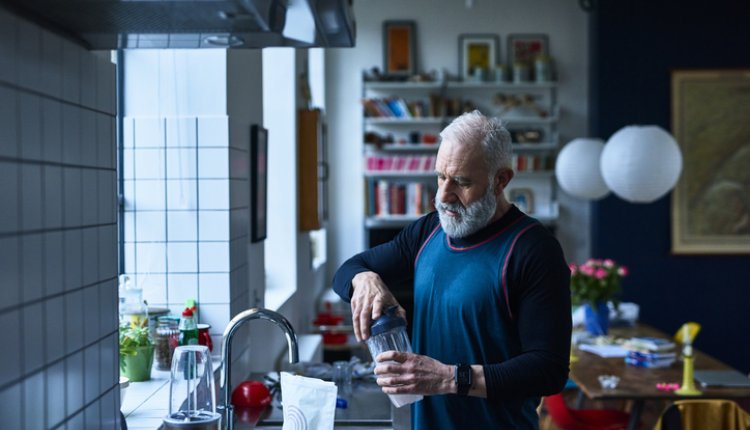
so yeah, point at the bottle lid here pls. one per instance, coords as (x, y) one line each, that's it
(187, 312)
(388, 321)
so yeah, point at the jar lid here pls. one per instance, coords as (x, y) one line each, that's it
(388, 321)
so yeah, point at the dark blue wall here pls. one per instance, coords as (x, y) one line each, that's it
(635, 46)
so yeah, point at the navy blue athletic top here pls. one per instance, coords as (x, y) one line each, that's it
(499, 298)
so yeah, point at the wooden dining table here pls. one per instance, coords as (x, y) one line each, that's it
(638, 384)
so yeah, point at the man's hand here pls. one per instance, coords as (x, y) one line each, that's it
(369, 299)
(408, 373)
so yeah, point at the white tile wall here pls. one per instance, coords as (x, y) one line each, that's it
(182, 257)
(51, 130)
(213, 163)
(34, 397)
(8, 128)
(214, 256)
(148, 132)
(213, 194)
(47, 117)
(149, 163)
(150, 195)
(12, 356)
(214, 288)
(151, 227)
(213, 225)
(9, 400)
(30, 132)
(33, 327)
(53, 197)
(180, 132)
(182, 194)
(55, 394)
(182, 226)
(31, 198)
(181, 163)
(9, 180)
(182, 287)
(10, 268)
(213, 131)
(32, 246)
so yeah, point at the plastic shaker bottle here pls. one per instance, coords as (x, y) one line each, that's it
(388, 333)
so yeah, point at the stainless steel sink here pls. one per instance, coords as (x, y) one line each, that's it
(368, 408)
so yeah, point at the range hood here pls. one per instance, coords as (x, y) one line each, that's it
(155, 24)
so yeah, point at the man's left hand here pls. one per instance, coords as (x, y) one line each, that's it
(409, 373)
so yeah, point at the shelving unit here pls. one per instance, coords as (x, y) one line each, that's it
(399, 117)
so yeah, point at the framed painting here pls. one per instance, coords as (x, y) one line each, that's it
(711, 123)
(477, 55)
(523, 49)
(258, 183)
(399, 48)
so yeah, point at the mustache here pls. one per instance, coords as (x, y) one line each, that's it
(453, 207)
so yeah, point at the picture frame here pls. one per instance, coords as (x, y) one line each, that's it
(524, 48)
(399, 48)
(709, 209)
(523, 198)
(478, 54)
(258, 183)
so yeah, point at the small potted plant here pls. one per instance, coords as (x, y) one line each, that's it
(593, 284)
(136, 352)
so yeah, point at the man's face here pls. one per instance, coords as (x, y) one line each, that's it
(465, 199)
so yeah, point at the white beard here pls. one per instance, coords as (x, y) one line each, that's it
(468, 220)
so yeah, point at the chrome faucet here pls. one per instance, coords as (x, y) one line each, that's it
(226, 351)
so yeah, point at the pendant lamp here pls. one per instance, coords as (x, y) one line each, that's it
(640, 164)
(577, 169)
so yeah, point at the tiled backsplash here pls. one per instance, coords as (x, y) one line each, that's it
(186, 212)
(58, 234)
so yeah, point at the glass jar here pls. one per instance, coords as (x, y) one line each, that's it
(165, 341)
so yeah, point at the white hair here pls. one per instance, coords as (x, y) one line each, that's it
(474, 128)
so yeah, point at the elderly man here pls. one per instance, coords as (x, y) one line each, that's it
(491, 331)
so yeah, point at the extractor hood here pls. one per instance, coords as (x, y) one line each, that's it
(129, 24)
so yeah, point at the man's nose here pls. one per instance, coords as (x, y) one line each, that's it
(446, 195)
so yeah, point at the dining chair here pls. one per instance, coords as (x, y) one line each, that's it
(703, 414)
(584, 419)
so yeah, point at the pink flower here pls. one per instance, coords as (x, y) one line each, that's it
(573, 268)
(622, 271)
(600, 274)
(609, 263)
(587, 270)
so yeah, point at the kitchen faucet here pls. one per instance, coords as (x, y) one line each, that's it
(226, 351)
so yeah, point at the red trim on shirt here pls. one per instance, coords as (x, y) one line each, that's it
(425, 243)
(489, 239)
(505, 265)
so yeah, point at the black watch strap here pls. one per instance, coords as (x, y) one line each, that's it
(463, 379)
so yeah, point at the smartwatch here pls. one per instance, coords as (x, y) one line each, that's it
(463, 379)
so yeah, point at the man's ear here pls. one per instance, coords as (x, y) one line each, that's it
(502, 179)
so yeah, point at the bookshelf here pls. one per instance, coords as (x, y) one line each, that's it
(401, 122)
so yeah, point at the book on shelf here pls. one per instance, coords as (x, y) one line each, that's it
(386, 198)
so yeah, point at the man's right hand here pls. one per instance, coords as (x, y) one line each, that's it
(370, 297)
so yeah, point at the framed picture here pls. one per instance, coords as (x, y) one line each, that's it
(523, 198)
(258, 182)
(399, 48)
(523, 49)
(477, 55)
(710, 208)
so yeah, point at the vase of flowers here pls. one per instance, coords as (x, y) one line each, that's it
(592, 285)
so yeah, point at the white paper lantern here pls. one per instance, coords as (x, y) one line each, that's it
(641, 163)
(577, 169)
